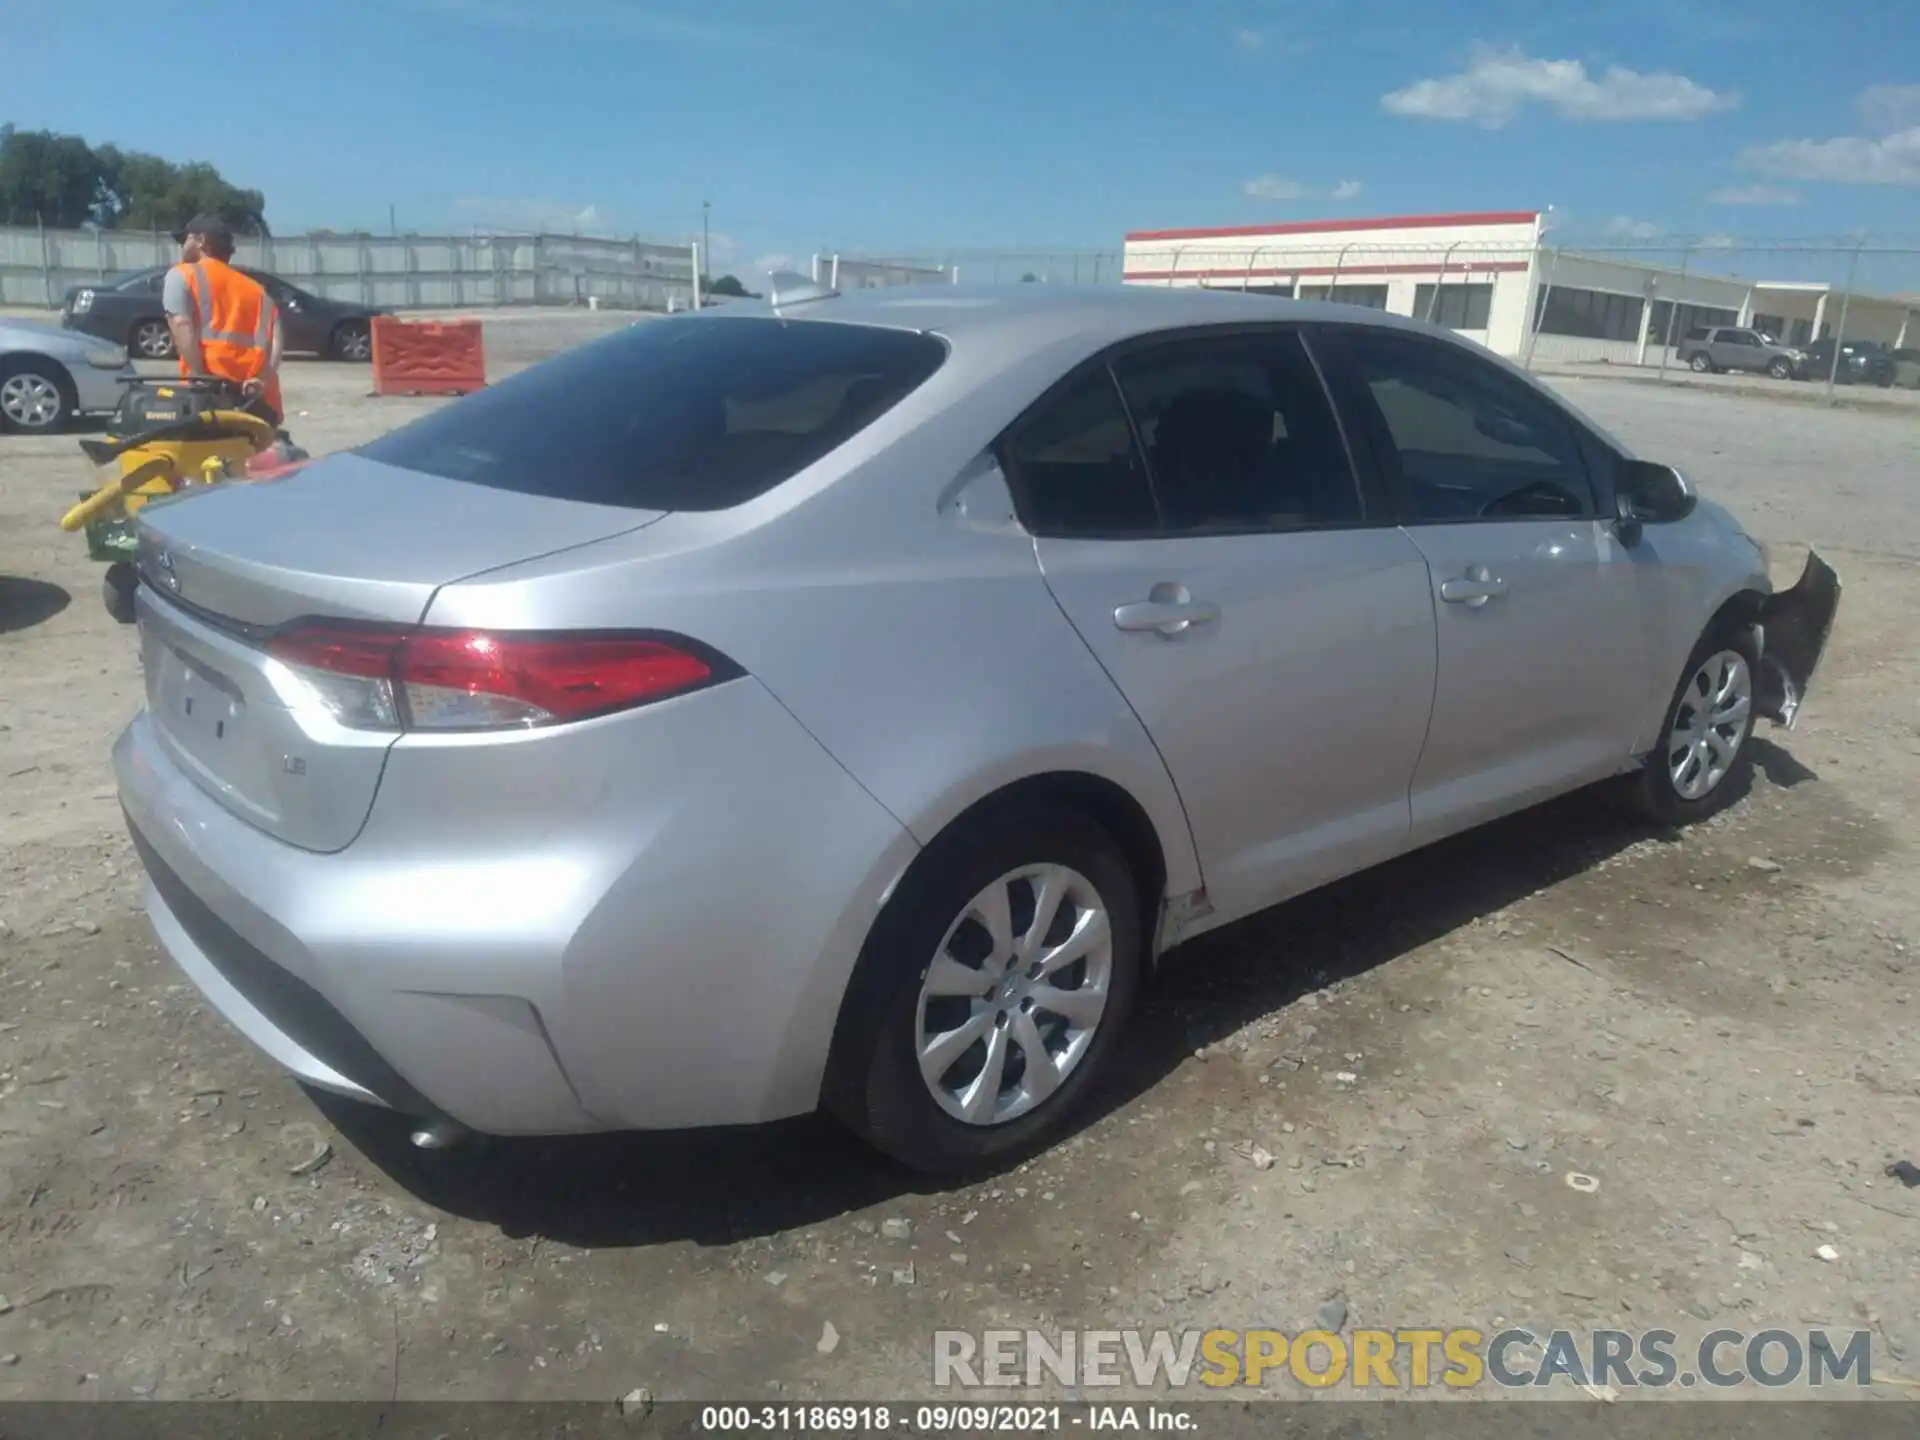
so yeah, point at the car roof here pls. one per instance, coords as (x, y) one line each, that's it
(1035, 314)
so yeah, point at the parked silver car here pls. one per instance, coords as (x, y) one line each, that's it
(48, 375)
(1711, 349)
(844, 700)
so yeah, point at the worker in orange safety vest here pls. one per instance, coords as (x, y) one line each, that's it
(223, 322)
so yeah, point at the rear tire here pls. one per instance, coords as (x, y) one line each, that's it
(960, 1108)
(151, 340)
(1701, 365)
(117, 589)
(1703, 762)
(352, 341)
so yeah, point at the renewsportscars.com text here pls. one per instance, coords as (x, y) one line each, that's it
(1409, 1358)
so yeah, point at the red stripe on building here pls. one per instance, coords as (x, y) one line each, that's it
(1240, 272)
(1384, 222)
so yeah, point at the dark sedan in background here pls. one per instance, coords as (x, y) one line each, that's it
(1862, 362)
(127, 311)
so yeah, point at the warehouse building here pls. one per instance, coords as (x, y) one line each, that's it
(1489, 276)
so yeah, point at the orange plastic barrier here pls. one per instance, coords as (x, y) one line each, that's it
(427, 357)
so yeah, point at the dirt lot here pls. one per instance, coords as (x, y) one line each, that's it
(1719, 1029)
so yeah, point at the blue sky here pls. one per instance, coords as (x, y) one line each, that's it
(888, 125)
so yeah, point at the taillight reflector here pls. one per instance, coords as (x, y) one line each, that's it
(481, 680)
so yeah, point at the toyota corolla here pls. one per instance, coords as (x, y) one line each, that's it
(842, 701)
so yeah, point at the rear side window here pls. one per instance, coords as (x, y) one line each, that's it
(1074, 466)
(691, 414)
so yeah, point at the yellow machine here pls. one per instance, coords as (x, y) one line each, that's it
(165, 436)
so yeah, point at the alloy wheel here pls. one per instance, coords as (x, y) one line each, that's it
(1014, 995)
(152, 340)
(1710, 725)
(30, 401)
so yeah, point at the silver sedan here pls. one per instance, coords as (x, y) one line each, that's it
(48, 375)
(841, 701)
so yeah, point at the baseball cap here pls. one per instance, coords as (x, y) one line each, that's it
(212, 226)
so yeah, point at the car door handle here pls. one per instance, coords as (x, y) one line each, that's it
(1168, 609)
(1474, 588)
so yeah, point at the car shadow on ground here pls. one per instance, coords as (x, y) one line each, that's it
(721, 1187)
(26, 603)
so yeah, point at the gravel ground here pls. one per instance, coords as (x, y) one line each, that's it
(1718, 1029)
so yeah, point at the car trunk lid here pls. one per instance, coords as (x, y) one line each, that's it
(342, 539)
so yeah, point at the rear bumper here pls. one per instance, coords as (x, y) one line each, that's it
(541, 938)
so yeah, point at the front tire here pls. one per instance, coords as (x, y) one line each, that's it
(1703, 762)
(987, 1000)
(1781, 369)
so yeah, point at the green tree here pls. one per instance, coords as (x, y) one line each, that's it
(146, 192)
(47, 179)
(63, 182)
(729, 285)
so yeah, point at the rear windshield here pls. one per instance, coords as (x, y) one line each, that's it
(686, 414)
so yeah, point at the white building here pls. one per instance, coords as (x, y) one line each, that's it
(1488, 276)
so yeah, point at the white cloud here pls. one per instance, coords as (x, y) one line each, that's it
(1844, 160)
(1273, 187)
(1278, 187)
(1755, 195)
(523, 213)
(1625, 227)
(1249, 39)
(1887, 108)
(1499, 82)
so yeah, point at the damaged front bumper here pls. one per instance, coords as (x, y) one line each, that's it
(1793, 628)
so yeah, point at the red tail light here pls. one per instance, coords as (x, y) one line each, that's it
(378, 678)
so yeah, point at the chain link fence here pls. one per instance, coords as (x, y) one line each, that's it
(38, 267)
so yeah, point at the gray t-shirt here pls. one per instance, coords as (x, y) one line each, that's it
(175, 296)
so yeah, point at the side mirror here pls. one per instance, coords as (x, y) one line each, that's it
(1646, 493)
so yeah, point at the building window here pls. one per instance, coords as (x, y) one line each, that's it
(1374, 297)
(1590, 314)
(1774, 325)
(1691, 317)
(1460, 307)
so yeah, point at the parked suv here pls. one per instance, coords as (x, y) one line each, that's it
(1862, 362)
(1710, 349)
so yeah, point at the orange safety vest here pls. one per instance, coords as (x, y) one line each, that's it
(235, 321)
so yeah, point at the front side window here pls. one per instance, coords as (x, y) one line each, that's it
(1239, 435)
(1465, 442)
(696, 413)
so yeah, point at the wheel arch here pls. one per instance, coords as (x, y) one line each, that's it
(1097, 798)
(1100, 799)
